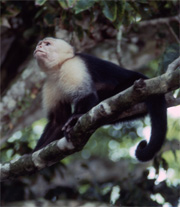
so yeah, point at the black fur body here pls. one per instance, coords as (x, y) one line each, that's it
(104, 79)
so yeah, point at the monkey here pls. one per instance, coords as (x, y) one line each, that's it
(76, 82)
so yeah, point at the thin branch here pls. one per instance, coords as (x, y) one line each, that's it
(159, 21)
(118, 48)
(173, 33)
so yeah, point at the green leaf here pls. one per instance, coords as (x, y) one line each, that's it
(71, 3)
(66, 4)
(110, 10)
(63, 4)
(83, 5)
(40, 2)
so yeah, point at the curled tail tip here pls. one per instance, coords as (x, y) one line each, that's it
(142, 153)
(142, 145)
(156, 105)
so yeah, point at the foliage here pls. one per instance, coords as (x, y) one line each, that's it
(116, 12)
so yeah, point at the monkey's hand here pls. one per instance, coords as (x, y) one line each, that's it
(69, 124)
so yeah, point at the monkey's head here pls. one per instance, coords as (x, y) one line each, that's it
(51, 53)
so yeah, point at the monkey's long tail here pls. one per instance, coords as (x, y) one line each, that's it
(158, 113)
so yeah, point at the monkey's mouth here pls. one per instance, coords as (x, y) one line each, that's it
(38, 51)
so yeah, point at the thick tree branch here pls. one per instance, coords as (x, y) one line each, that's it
(104, 113)
(141, 108)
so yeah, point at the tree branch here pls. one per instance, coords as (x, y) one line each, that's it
(159, 21)
(118, 47)
(173, 33)
(173, 66)
(105, 112)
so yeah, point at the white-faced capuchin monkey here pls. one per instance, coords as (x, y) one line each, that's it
(82, 81)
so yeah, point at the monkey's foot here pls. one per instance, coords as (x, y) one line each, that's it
(70, 123)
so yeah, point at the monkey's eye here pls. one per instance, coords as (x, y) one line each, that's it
(47, 43)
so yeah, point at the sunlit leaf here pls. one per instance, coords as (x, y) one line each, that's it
(63, 4)
(40, 2)
(71, 3)
(38, 14)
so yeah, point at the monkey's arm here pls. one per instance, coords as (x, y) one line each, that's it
(82, 105)
(53, 130)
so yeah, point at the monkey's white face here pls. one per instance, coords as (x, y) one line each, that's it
(51, 52)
